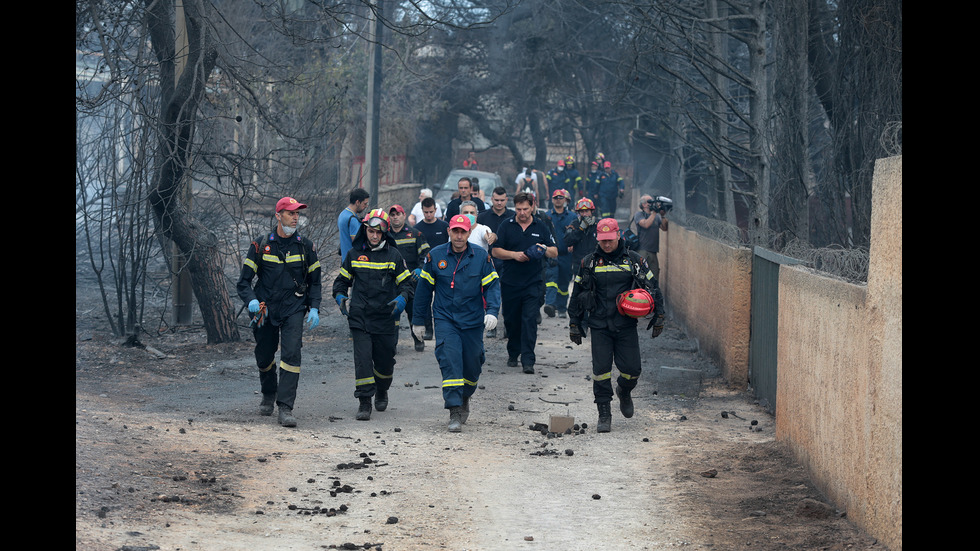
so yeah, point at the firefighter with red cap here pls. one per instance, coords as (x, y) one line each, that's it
(288, 288)
(613, 289)
(382, 287)
(459, 282)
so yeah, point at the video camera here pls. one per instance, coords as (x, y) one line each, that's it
(660, 203)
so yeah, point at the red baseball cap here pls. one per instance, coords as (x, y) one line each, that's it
(397, 208)
(460, 221)
(607, 164)
(608, 228)
(288, 203)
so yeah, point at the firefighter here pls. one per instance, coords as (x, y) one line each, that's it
(559, 273)
(580, 234)
(288, 288)
(610, 188)
(614, 287)
(413, 246)
(460, 283)
(382, 287)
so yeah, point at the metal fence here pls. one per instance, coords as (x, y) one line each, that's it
(764, 324)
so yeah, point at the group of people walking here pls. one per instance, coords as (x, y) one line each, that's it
(454, 277)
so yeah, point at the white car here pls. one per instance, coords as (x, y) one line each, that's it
(488, 182)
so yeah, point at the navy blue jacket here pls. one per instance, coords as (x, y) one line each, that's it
(464, 285)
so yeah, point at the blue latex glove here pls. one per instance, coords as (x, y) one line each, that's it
(253, 305)
(313, 318)
(342, 302)
(398, 306)
(535, 252)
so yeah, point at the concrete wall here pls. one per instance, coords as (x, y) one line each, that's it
(405, 195)
(839, 392)
(839, 387)
(707, 288)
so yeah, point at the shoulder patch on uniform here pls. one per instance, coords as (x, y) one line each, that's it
(442, 264)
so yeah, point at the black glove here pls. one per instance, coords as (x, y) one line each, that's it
(574, 333)
(657, 323)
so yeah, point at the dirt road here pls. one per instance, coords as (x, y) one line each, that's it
(170, 454)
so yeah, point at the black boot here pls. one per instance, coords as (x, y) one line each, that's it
(625, 401)
(455, 419)
(268, 404)
(381, 400)
(464, 412)
(605, 417)
(286, 417)
(364, 410)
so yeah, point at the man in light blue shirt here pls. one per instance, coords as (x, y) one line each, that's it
(349, 220)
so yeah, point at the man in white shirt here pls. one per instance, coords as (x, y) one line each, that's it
(479, 234)
(416, 215)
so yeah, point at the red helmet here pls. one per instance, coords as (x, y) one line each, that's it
(377, 218)
(634, 303)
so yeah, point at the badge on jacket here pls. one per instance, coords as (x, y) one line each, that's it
(442, 264)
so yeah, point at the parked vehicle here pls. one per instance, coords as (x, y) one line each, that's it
(488, 182)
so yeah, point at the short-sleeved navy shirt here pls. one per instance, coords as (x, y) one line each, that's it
(511, 237)
(435, 233)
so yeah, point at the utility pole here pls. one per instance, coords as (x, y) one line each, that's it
(183, 294)
(371, 159)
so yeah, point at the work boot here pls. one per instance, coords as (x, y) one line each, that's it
(605, 417)
(464, 411)
(492, 334)
(625, 401)
(539, 317)
(512, 362)
(529, 369)
(420, 346)
(364, 410)
(427, 336)
(268, 404)
(286, 418)
(550, 310)
(381, 400)
(455, 419)
(562, 314)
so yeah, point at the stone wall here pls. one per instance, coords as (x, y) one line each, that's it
(839, 385)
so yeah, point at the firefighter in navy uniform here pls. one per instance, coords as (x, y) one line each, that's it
(460, 283)
(580, 233)
(413, 246)
(614, 287)
(288, 288)
(382, 287)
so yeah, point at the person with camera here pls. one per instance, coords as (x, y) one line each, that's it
(613, 289)
(288, 288)
(649, 223)
(382, 288)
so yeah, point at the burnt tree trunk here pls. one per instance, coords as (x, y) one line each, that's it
(181, 92)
